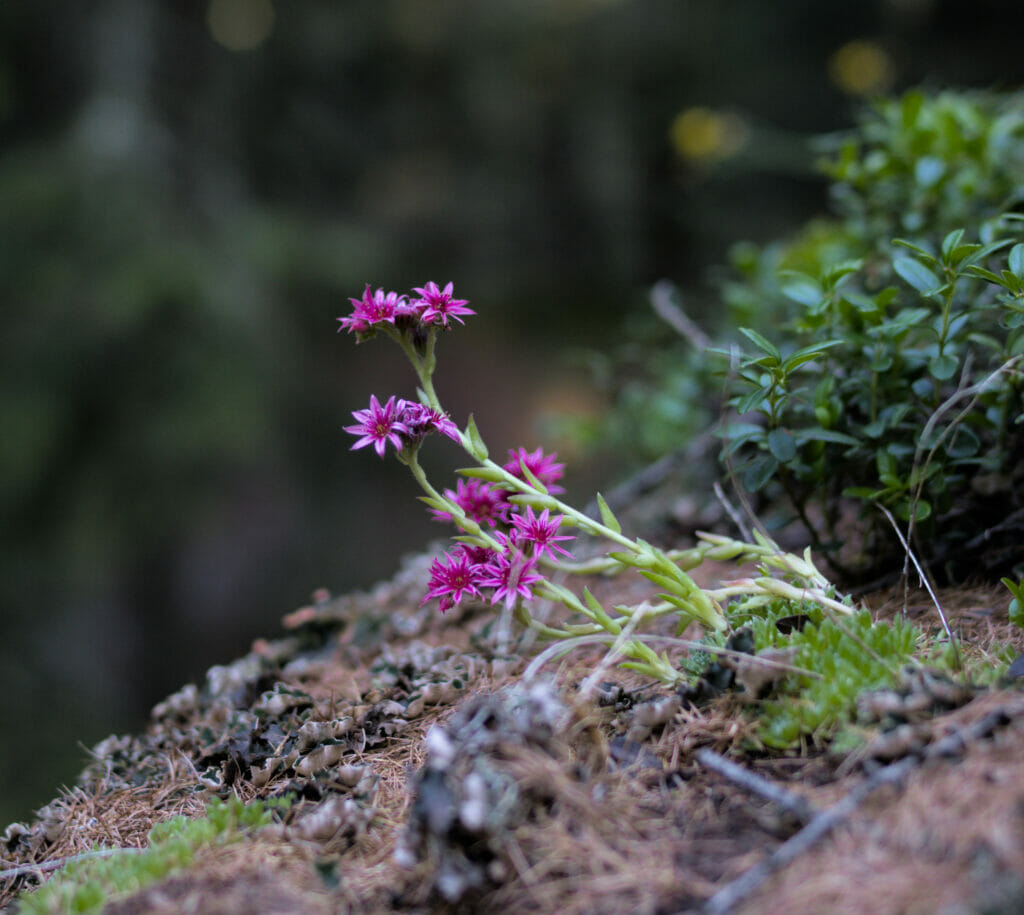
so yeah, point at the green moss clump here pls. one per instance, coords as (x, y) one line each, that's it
(852, 656)
(86, 885)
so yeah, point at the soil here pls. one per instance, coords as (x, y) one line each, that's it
(429, 775)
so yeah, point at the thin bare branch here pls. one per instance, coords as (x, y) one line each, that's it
(662, 294)
(755, 784)
(924, 580)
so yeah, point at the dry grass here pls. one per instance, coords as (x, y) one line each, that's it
(604, 824)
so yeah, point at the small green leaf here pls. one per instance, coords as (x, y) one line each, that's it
(943, 367)
(964, 444)
(667, 582)
(534, 499)
(531, 478)
(762, 343)
(739, 431)
(760, 471)
(607, 517)
(781, 445)
(439, 504)
(808, 354)
(923, 253)
(751, 401)
(1016, 590)
(824, 435)
(963, 252)
(861, 492)
(1016, 261)
(922, 510)
(950, 242)
(974, 270)
(865, 304)
(482, 473)
(804, 291)
(473, 434)
(917, 275)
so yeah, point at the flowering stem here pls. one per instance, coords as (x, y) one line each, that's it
(504, 561)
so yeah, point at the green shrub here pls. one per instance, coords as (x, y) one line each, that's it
(877, 357)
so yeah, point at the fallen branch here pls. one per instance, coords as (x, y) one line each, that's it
(823, 823)
(819, 827)
(53, 864)
(755, 784)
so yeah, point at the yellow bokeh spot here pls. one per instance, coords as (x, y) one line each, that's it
(240, 25)
(861, 68)
(702, 134)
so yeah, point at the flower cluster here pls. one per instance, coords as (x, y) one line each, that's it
(509, 572)
(510, 519)
(430, 305)
(522, 540)
(503, 563)
(401, 422)
(488, 503)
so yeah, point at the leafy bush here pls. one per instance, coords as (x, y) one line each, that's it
(896, 378)
(880, 354)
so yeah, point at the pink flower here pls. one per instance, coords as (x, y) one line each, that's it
(510, 577)
(422, 419)
(373, 308)
(541, 532)
(478, 500)
(450, 583)
(477, 555)
(379, 425)
(541, 465)
(438, 305)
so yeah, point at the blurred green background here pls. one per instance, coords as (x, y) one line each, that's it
(191, 189)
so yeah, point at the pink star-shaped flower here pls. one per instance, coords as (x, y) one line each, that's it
(379, 425)
(421, 419)
(541, 465)
(511, 577)
(542, 532)
(481, 502)
(450, 583)
(373, 308)
(438, 305)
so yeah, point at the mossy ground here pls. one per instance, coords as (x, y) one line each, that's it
(618, 816)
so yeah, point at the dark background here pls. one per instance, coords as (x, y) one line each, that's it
(189, 192)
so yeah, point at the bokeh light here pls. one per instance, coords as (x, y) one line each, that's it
(862, 68)
(703, 135)
(240, 25)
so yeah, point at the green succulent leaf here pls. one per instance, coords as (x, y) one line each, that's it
(608, 518)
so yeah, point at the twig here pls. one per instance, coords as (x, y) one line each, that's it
(974, 392)
(730, 510)
(753, 783)
(737, 890)
(675, 317)
(57, 863)
(653, 475)
(1010, 522)
(924, 580)
(820, 826)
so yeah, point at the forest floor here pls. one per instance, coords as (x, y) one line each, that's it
(548, 793)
